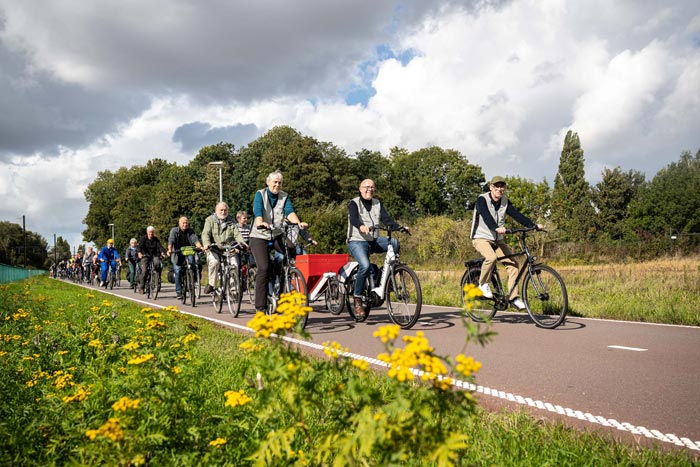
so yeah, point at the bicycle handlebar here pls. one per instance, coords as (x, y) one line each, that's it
(400, 228)
(523, 230)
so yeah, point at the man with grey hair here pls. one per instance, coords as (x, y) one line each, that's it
(150, 249)
(219, 228)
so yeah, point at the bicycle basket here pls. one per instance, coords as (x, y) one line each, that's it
(292, 237)
(187, 250)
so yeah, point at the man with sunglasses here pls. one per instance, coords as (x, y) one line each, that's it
(488, 227)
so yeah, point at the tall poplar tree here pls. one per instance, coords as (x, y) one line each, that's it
(572, 210)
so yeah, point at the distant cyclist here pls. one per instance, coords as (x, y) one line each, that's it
(132, 257)
(108, 257)
(180, 236)
(150, 250)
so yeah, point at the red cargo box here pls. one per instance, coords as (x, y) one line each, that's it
(314, 266)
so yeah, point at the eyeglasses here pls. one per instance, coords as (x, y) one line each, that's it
(499, 187)
(368, 188)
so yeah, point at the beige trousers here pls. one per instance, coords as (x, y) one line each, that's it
(491, 250)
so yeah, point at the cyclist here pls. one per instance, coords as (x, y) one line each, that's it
(180, 236)
(488, 227)
(244, 228)
(132, 257)
(89, 261)
(109, 257)
(150, 249)
(271, 206)
(366, 211)
(219, 228)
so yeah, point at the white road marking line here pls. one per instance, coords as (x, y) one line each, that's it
(622, 347)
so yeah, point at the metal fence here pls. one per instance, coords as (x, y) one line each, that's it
(12, 273)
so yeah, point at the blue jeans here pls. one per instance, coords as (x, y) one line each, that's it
(361, 250)
(103, 269)
(178, 268)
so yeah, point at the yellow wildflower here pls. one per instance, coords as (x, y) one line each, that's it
(218, 442)
(251, 346)
(177, 370)
(236, 398)
(333, 349)
(361, 364)
(387, 333)
(139, 359)
(131, 346)
(467, 365)
(125, 404)
(80, 395)
(111, 429)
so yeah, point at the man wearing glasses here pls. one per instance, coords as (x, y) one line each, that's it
(488, 227)
(365, 212)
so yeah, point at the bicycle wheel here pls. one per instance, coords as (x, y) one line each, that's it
(335, 295)
(183, 286)
(190, 287)
(483, 309)
(349, 297)
(403, 296)
(197, 283)
(119, 276)
(297, 283)
(155, 283)
(234, 294)
(218, 292)
(250, 283)
(545, 297)
(108, 284)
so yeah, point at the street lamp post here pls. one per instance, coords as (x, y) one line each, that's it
(220, 165)
(112, 225)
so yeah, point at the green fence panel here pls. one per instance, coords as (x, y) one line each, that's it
(12, 273)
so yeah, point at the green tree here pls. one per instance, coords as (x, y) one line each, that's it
(62, 248)
(12, 244)
(572, 211)
(670, 201)
(612, 196)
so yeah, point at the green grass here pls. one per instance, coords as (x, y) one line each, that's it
(308, 412)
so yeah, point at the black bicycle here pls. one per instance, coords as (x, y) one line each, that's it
(286, 279)
(229, 288)
(188, 275)
(543, 289)
(153, 281)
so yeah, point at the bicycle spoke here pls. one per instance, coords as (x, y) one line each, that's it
(482, 309)
(545, 297)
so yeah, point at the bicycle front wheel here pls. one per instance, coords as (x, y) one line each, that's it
(545, 297)
(403, 296)
(482, 309)
(350, 298)
(155, 283)
(297, 283)
(190, 287)
(335, 295)
(234, 295)
(250, 283)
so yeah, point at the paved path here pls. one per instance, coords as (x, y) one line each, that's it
(630, 379)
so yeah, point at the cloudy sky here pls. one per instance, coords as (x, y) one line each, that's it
(89, 86)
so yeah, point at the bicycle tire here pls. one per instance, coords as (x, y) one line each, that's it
(404, 297)
(155, 283)
(190, 287)
(108, 284)
(483, 309)
(349, 297)
(545, 297)
(296, 283)
(234, 295)
(335, 296)
(218, 293)
(118, 277)
(183, 286)
(197, 283)
(250, 284)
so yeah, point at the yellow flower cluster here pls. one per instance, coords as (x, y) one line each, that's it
(176, 369)
(130, 346)
(106, 303)
(80, 395)
(333, 349)
(95, 343)
(467, 365)
(236, 398)
(471, 292)
(21, 313)
(387, 333)
(361, 364)
(112, 429)
(154, 324)
(402, 360)
(289, 309)
(217, 442)
(189, 338)
(8, 338)
(139, 359)
(251, 346)
(125, 404)
(63, 379)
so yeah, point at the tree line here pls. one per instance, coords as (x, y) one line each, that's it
(416, 187)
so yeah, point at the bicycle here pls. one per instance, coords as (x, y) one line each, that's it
(229, 287)
(399, 286)
(288, 279)
(248, 273)
(188, 273)
(543, 289)
(153, 281)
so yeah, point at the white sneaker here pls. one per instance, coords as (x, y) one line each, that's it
(517, 303)
(486, 291)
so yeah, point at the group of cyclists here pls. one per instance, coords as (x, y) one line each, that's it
(264, 241)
